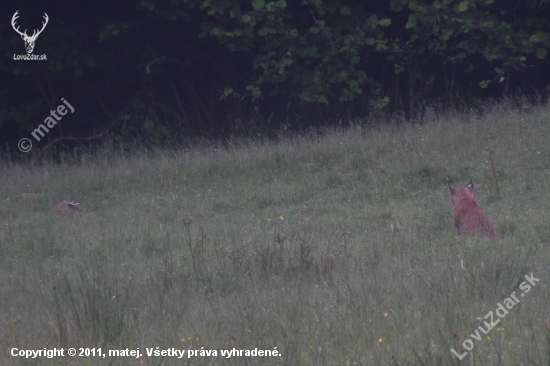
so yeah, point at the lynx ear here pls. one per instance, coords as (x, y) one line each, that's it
(471, 185)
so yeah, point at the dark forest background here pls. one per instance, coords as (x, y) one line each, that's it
(214, 68)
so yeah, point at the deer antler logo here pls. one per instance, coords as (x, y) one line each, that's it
(29, 41)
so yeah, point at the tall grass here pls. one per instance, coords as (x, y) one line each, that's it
(337, 248)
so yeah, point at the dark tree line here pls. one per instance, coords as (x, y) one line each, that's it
(151, 69)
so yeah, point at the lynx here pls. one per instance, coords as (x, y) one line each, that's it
(467, 213)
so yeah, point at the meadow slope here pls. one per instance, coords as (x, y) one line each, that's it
(333, 248)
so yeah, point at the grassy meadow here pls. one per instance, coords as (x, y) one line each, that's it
(333, 248)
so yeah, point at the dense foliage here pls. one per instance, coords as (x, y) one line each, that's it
(212, 67)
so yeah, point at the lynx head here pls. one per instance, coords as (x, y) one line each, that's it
(458, 193)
